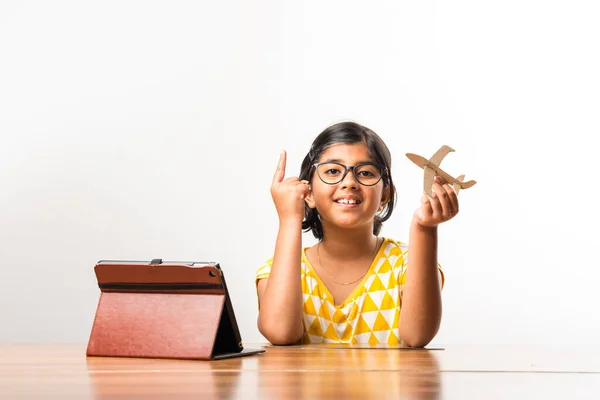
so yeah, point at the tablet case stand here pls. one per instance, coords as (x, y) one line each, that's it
(153, 309)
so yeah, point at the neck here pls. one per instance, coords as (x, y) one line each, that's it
(348, 244)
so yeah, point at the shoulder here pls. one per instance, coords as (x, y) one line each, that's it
(394, 248)
(397, 253)
(265, 269)
(394, 252)
(395, 245)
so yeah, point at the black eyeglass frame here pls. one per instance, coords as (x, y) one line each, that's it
(383, 171)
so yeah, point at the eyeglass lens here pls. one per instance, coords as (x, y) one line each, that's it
(366, 174)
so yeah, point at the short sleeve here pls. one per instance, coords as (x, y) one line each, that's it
(263, 272)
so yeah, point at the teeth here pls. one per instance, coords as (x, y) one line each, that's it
(346, 201)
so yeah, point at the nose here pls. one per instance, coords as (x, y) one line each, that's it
(350, 180)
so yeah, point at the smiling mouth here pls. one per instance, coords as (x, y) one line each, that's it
(346, 201)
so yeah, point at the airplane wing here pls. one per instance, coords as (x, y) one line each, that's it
(430, 173)
(440, 154)
(428, 180)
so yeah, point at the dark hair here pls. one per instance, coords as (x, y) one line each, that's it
(348, 133)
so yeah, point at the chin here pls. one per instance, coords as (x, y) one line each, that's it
(352, 223)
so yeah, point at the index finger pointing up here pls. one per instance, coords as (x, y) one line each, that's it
(280, 172)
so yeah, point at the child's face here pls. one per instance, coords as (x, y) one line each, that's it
(328, 198)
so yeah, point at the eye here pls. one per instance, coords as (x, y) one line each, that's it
(368, 171)
(366, 174)
(330, 170)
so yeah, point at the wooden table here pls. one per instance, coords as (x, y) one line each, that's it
(307, 372)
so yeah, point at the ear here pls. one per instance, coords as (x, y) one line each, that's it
(309, 199)
(385, 198)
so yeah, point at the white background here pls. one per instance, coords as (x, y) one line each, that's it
(139, 130)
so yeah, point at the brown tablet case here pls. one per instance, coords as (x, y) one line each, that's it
(162, 309)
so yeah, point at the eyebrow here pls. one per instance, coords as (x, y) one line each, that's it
(337, 160)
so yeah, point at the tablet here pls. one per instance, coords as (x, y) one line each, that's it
(164, 309)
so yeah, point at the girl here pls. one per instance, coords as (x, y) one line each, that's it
(352, 285)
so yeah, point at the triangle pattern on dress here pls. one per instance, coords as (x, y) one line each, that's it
(373, 339)
(309, 307)
(382, 336)
(369, 305)
(387, 303)
(315, 329)
(361, 327)
(371, 316)
(380, 323)
(376, 285)
(331, 334)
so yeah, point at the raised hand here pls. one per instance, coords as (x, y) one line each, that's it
(442, 207)
(288, 194)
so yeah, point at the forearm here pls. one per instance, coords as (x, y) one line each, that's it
(280, 317)
(421, 301)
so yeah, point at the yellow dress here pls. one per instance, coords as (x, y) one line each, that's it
(370, 314)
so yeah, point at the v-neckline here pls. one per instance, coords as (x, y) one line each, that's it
(359, 285)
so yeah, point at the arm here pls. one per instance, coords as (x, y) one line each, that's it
(422, 301)
(280, 295)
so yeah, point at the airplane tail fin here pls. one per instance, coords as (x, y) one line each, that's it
(460, 184)
(457, 186)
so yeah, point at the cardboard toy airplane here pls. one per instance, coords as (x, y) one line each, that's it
(431, 168)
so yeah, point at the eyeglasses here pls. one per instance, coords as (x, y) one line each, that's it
(367, 174)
